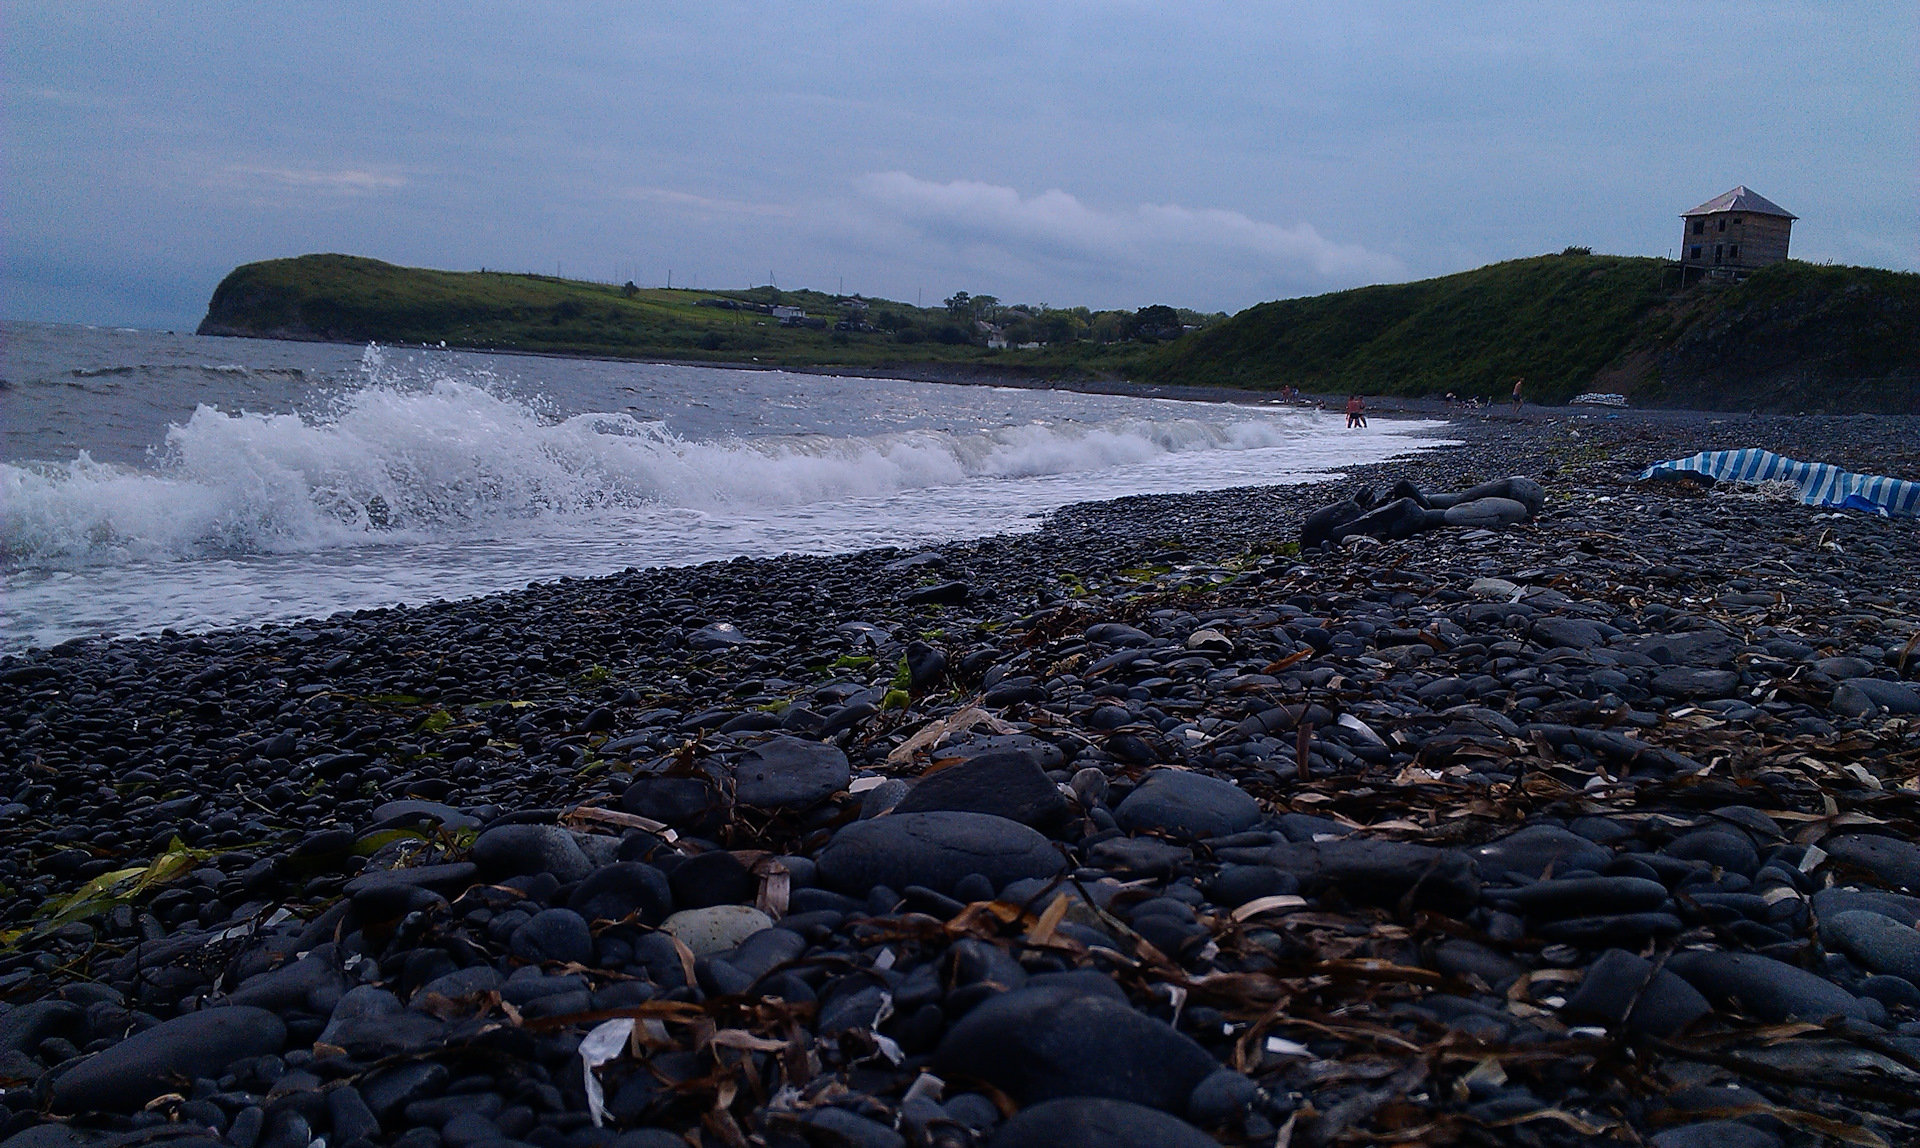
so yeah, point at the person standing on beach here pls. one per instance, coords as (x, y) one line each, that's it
(1516, 393)
(1356, 412)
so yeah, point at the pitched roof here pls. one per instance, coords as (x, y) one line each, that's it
(1740, 199)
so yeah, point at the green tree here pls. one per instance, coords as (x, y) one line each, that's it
(959, 303)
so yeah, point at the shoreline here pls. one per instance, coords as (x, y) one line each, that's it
(967, 374)
(763, 711)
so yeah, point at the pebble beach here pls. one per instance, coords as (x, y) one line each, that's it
(1145, 828)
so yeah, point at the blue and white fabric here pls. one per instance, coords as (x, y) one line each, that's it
(1820, 484)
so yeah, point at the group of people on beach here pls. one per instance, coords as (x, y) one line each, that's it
(1357, 407)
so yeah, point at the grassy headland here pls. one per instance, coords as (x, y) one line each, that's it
(347, 298)
(1795, 336)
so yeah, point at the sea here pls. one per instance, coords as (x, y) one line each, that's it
(157, 481)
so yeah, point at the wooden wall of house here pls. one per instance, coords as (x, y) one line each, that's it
(1761, 239)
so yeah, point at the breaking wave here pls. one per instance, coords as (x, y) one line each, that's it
(453, 458)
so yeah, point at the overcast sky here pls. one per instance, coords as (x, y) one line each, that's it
(1106, 154)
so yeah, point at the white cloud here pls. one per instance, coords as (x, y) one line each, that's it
(969, 214)
(344, 181)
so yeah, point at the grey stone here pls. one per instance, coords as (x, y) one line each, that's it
(1693, 682)
(1006, 783)
(1770, 990)
(852, 1130)
(518, 850)
(789, 773)
(617, 891)
(1187, 804)
(1880, 943)
(306, 982)
(1571, 633)
(1720, 846)
(718, 636)
(1141, 856)
(554, 935)
(717, 928)
(1094, 1122)
(26, 1026)
(369, 1023)
(1904, 909)
(1693, 648)
(1661, 1004)
(1716, 1134)
(1864, 697)
(1585, 897)
(936, 850)
(685, 802)
(127, 1075)
(1530, 851)
(411, 810)
(1040, 1044)
(1372, 871)
(1487, 513)
(1892, 860)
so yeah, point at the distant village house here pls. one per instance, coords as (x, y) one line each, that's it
(1733, 235)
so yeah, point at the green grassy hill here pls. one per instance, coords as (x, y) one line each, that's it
(351, 299)
(1794, 336)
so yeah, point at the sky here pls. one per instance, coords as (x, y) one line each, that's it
(1101, 154)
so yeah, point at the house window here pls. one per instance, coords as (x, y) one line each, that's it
(1699, 226)
(1716, 253)
(1736, 221)
(1733, 252)
(1723, 223)
(1693, 252)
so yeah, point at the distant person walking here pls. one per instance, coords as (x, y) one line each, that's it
(1356, 412)
(1516, 393)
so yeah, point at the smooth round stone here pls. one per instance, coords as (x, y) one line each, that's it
(1661, 1004)
(1892, 860)
(1770, 990)
(1188, 805)
(1864, 697)
(936, 850)
(1690, 682)
(520, 850)
(1586, 897)
(141, 1067)
(1487, 513)
(1040, 1044)
(1095, 1122)
(413, 809)
(1005, 783)
(1881, 943)
(789, 773)
(1726, 848)
(554, 935)
(618, 890)
(716, 929)
(1716, 1134)
(1528, 853)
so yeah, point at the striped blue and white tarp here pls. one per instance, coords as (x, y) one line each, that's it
(1820, 484)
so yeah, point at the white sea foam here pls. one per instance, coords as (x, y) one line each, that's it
(413, 464)
(433, 476)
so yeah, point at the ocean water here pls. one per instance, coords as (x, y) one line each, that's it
(150, 480)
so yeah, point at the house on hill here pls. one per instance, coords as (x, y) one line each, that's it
(1733, 235)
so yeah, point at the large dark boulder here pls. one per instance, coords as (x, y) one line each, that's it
(789, 773)
(1006, 783)
(1038, 1044)
(937, 850)
(1184, 804)
(127, 1075)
